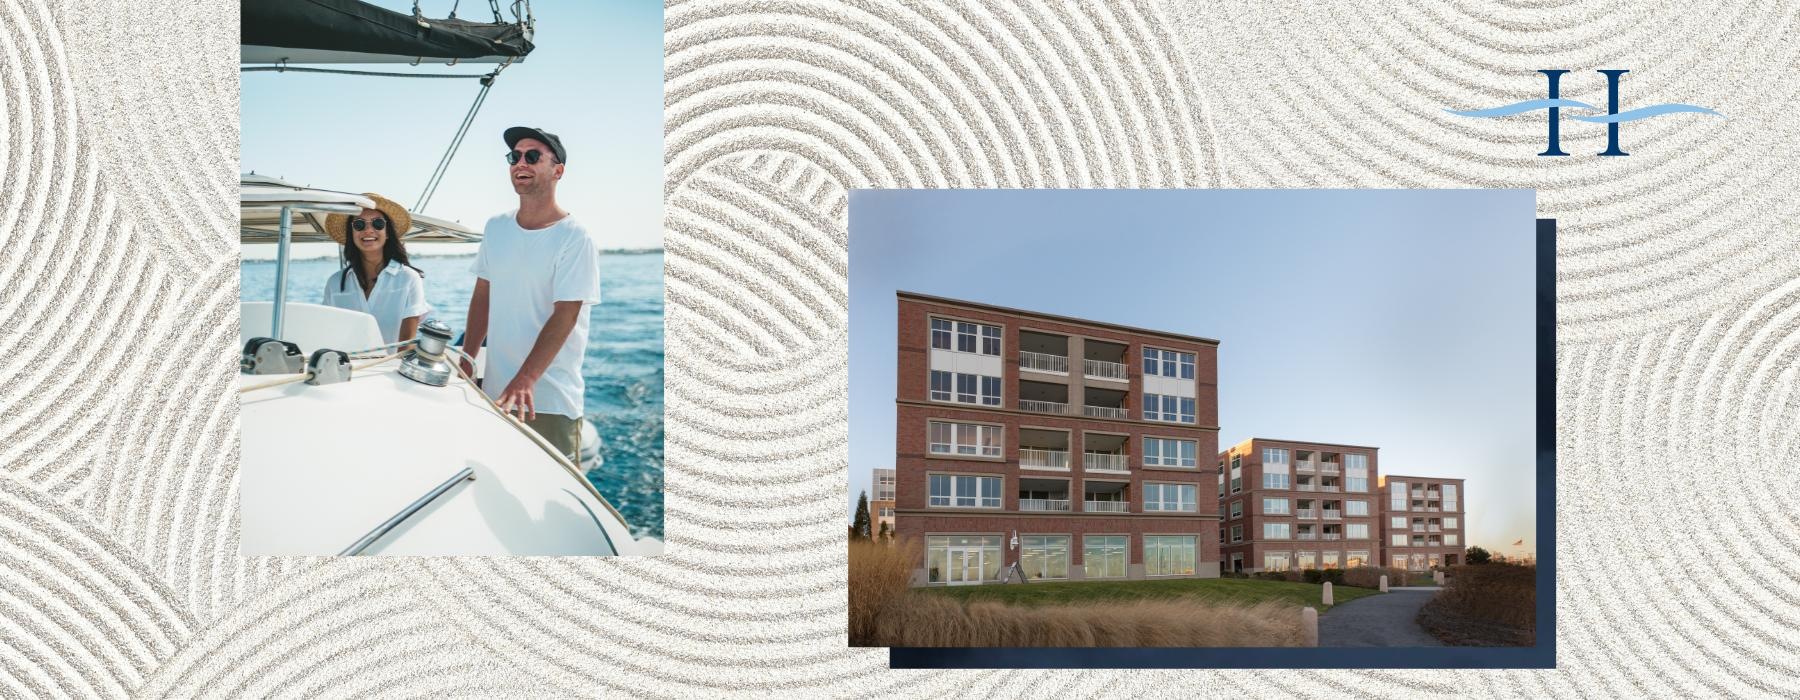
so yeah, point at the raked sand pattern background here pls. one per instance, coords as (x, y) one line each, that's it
(1679, 392)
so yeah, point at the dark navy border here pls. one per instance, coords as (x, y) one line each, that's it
(1543, 655)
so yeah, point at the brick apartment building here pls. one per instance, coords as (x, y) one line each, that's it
(1298, 505)
(1422, 521)
(1080, 439)
(881, 502)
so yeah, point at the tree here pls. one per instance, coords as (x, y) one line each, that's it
(1477, 555)
(885, 534)
(859, 528)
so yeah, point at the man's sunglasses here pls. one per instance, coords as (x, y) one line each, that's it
(531, 157)
(360, 224)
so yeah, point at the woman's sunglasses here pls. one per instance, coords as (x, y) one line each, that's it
(531, 157)
(360, 224)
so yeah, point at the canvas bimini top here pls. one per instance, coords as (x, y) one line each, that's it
(279, 32)
(260, 199)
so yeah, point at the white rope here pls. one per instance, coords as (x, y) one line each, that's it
(303, 376)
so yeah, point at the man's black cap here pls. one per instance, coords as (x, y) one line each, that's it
(516, 133)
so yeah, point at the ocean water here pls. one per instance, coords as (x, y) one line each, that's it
(623, 369)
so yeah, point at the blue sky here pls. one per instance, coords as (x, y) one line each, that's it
(1401, 319)
(595, 80)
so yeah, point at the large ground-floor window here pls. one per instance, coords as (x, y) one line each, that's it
(1103, 556)
(1399, 561)
(1169, 555)
(1044, 556)
(1328, 560)
(1276, 561)
(1355, 559)
(962, 559)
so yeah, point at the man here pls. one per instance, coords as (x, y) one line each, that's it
(535, 274)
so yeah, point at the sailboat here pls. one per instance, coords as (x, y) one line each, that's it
(355, 447)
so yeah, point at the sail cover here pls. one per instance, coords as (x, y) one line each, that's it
(349, 31)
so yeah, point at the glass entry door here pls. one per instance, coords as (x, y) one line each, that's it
(964, 566)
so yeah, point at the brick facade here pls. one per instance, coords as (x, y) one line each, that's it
(1307, 527)
(1425, 508)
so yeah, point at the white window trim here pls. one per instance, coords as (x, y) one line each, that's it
(954, 495)
(1178, 485)
(956, 435)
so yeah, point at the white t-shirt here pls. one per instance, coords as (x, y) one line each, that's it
(528, 271)
(399, 294)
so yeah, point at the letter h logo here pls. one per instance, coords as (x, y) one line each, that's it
(1554, 104)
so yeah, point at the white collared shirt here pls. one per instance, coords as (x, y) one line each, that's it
(399, 294)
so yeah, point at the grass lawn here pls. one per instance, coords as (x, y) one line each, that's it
(1217, 590)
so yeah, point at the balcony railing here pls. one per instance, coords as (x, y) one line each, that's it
(1418, 493)
(1104, 412)
(1043, 362)
(1307, 467)
(1105, 462)
(1102, 369)
(1307, 536)
(1043, 458)
(1043, 406)
(1432, 509)
(1328, 488)
(1333, 536)
(1307, 513)
(1418, 528)
(1433, 528)
(1107, 507)
(1305, 487)
(1043, 504)
(1328, 468)
(1334, 515)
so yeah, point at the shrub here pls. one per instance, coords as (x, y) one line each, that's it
(1491, 604)
(1370, 576)
(1334, 575)
(879, 574)
(1313, 576)
(936, 621)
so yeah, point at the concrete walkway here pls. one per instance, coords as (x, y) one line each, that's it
(1384, 620)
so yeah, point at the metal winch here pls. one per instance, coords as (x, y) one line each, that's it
(427, 364)
(328, 366)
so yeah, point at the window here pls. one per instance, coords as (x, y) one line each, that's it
(990, 340)
(1275, 506)
(1450, 540)
(1399, 561)
(1044, 556)
(1275, 561)
(1168, 555)
(1103, 556)
(1169, 497)
(1399, 539)
(940, 334)
(1356, 558)
(1237, 533)
(959, 491)
(1398, 523)
(1237, 509)
(937, 551)
(1328, 560)
(965, 337)
(1275, 531)
(1449, 523)
(1275, 481)
(1168, 363)
(1306, 560)
(1450, 497)
(1237, 474)
(969, 388)
(1168, 409)
(1356, 531)
(1164, 452)
(1356, 484)
(964, 439)
(1397, 495)
(887, 512)
(1356, 509)
(1275, 455)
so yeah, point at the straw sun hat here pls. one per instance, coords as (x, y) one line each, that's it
(399, 222)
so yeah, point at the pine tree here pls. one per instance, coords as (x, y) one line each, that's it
(860, 527)
(885, 533)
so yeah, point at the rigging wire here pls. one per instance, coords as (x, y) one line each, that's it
(443, 166)
(379, 74)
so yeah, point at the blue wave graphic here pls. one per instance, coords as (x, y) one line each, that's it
(1521, 107)
(1645, 113)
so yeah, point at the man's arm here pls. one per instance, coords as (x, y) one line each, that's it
(549, 342)
(478, 323)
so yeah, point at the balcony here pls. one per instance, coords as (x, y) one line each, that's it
(1433, 528)
(1418, 528)
(1101, 369)
(1305, 467)
(1333, 536)
(1043, 362)
(1307, 514)
(1432, 509)
(1307, 536)
(1329, 488)
(1334, 515)
(1034, 406)
(1044, 504)
(1418, 493)
(1106, 462)
(1328, 468)
(1043, 459)
(1105, 412)
(1107, 506)
(1305, 487)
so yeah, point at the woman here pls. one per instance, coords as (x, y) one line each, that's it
(377, 278)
